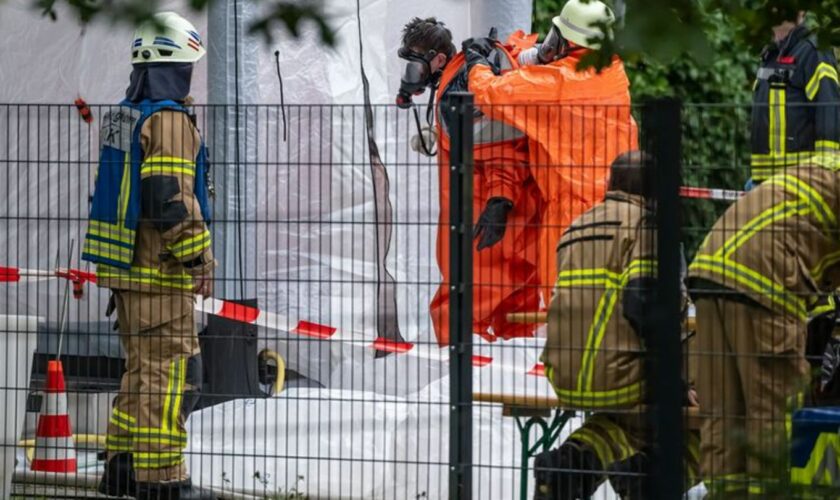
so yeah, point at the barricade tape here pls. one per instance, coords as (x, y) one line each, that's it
(273, 321)
(710, 194)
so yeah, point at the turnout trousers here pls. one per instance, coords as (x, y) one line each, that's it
(160, 385)
(751, 364)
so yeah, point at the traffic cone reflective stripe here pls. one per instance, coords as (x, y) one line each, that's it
(55, 450)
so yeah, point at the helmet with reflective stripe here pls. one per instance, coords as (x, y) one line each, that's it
(167, 37)
(583, 22)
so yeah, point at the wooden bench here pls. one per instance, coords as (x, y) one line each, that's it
(535, 411)
(542, 317)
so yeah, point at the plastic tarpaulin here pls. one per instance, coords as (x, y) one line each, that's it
(309, 250)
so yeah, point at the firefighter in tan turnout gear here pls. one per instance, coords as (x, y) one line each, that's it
(606, 262)
(762, 267)
(148, 236)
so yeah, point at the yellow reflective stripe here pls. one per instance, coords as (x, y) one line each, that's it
(108, 250)
(162, 170)
(146, 276)
(156, 460)
(179, 393)
(602, 449)
(170, 387)
(815, 472)
(167, 165)
(830, 161)
(582, 277)
(780, 160)
(167, 160)
(603, 313)
(606, 304)
(600, 399)
(190, 246)
(752, 280)
(157, 431)
(638, 267)
(769, 216)
(824, 146)
(824, 263)
(122, 420)
(161, 440)
(811, 196)
(111, 231)
(118, 443)
(125, 190)
(618, 437)
(174, 393)
(824, 70)
(777, 121)
(123, 416)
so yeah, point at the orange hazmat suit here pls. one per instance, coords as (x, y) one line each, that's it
(577, 122)
(505, 275)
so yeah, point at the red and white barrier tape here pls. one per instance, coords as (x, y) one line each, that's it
(273, 321)
(710, 194)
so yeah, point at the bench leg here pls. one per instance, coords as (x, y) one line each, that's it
(549, 435)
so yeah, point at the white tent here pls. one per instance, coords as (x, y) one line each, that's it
(306, 244)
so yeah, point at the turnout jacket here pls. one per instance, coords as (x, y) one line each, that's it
(778, 245)
(606, 265)
(147, 230)
(796, 102)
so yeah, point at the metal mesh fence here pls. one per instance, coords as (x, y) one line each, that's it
(502, 320)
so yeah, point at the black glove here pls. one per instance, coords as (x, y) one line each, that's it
(492, 222)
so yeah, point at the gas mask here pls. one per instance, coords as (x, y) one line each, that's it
(417, 75)
(554, 47)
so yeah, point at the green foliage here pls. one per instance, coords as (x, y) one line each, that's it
(288, 14)
(716, 120)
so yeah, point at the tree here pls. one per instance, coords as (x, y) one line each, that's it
(290, 15)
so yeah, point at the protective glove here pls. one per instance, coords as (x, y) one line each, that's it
(749, 185)
(474, 58)
(482, 45)
(492, 222)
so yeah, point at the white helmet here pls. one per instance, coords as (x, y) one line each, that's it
(579, 21)
(167, 38)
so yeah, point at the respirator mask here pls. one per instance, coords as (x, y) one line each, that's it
(417, 75)
(554, 47)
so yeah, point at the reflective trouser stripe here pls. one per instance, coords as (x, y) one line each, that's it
(174, 395)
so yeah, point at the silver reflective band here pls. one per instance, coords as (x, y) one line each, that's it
(583, 31)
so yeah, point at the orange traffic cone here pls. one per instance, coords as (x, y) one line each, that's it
(55, 450)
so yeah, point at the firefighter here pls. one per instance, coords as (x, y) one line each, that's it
(795, 100)
(765, 263)
(593, 354)
(148, 236)
(507, 204)
(577, 121)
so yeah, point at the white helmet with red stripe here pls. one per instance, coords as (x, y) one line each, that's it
(167, 37)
